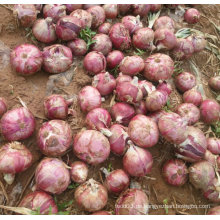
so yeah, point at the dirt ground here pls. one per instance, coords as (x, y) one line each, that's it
(32, 90)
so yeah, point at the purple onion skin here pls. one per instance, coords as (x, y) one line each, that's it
(124, 78)
(132, 23)
(124, 8)
(214, 83)
(210, 157)
(98, 16)
(52, 176)
(164, 22)
(192, 96)
(141, 9)
(104, 28)
(185, 81)
(175, 172)
(155, 116)
(39, 199)
(199, 42)
(146, 87)
(78, 47)
(140, 108)
(191, 16)
(17, 124)
(54, 138)
(155, 7)
(72, 7)
(214, 211)
(194, 147)
(114, 58)
(79, 172)
(212, 192)
(164, 86)
(213, 144)
(55, 11)
(132, 202)
(91, 146)
(111, 10)
(210, 111)
(3, 106)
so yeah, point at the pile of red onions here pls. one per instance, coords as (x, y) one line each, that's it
(79, 172)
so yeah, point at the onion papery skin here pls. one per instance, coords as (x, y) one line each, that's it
(164, 22)
(123, 78)
(155, 116)
(141, 9)
(98, 16)
(72, 7)
(132, 23)
(199, 42)
(191, 16)
(146, 87)
(192, 96)
(212, 192)
(78, 47)
(79, 172)
(104, 28)
(140, 108)
(214, 83)
(213, 144)
(114, 58)
(185, 81)
(111, 10)
(55, 11)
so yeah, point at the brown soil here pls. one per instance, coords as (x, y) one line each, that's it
(32, 90)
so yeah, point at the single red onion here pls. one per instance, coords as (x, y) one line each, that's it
(214, 211)
(120, 37)
(185, 81)
(155, 7)
(104, 82)
(175, 172)
(212, 193)
(213, 144)
(211, 158)
(194, 147)
(137, 161)
(183, 50)
(3, 106)
(54, 138)
(143, 39)
(132, 23)
(210, 111)
(104, 28)
(72, 7)
(87, 6)
(141, 108)
(26, 59)
(192, 96)
(158, 67)
(165, 86)
(201, 174)
(98, 16)
(83, 16)
(173, 128)
(39, 200)
(146, 87)
(94, 62)
(89, 149)
(129, 92)
(79, 172)
(165, 39)
(111, 10)
(38, 7)
(57, 58)
(143, 131)
(102, 44)
(199, 42)
(189, 112)
(91, 196)
(124, 8)
(14, 158)
(118, 139)
(114, 58)
(191, 16)
(122, 112)
(89, 98)
(155, 116)
(141, 9)
(55, 11)
(214, 83)
(132, 202)
(164, 22)
(78, 47)
(26, 14)
(17, 124)
(101, 213)
(123, 78)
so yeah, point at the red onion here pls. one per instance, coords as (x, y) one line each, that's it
(140, 108)
(17, 124)
(213, 144)
(73, 7)
(164, 22)
(194, 147)
(114, 58)
(129, 91)
(124, 8)
(104, 28)
(164, 86)
(91, 146)
(201, 174)
(132, 202)
(212, 193)
(38, 7)
(57, 58)
(155, 7)
(199, 42)
(101, 213)
(175, 172)
(214, 83)
(14, 158)
(26, 14)
(83, 16)
(137, 161)
(3, 106)
(26, 59)
(146, 87)
(79, 172)
(68, 28)
(98, 16)
(118, 139)
(158, 67)
(78, 47)
(191, 16)
(143, 39)
(173, 128)
(141, 9)
(122, 112)
(185, 81)
(54, 138)
(91, 196)
(210, 111)
(89, 98)
(132, 23)
(211, 158)
(155, 116)
(104, 82)
(214, 211)
(165, 39)
(55, 11)
(183, 50)
(102, 44)
(123, 78)
(87, 6)
(111, 10)
(192, 96)
(120, 37)
(189, 112)
(39, 200)
(94, 62)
